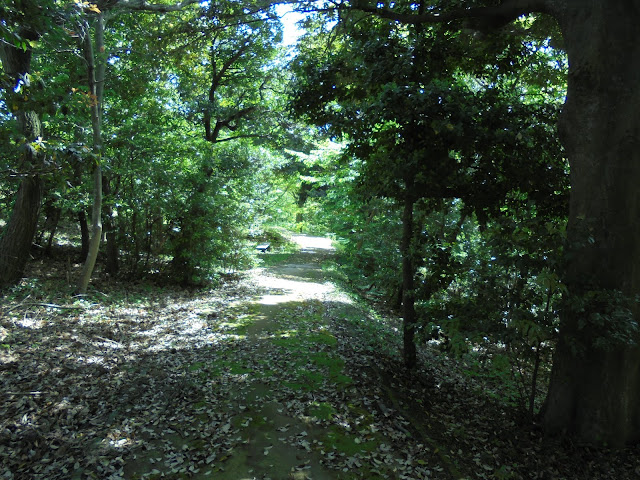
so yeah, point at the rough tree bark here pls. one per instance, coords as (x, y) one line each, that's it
(17, 235)
(595, 392)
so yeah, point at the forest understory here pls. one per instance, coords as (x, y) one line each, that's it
(275, 374)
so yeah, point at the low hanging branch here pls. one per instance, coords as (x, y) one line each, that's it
(484, 17)
(142, 5)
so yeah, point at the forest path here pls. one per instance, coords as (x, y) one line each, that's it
(278, 436)
(278, 375)
(278, 399)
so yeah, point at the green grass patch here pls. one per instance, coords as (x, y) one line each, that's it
(271, 259)
(217, 367)
(323, 338)
(296, 387)
(349, 444)
(239, 326)
(322, 410)
(313, 379)
(342, 380)
(334, 364)
(251, 420)
(290, 342)
(239, 370)
(310, 349)
(196, 366)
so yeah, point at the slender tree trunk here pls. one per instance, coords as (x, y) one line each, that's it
(408, 292)
(78, 164)
(96, 87)
(52, 218)
(51, 225)
(112, 263)
(534, 380)
(184, 246)
(84, 236)
(595, 391)
(17, 236)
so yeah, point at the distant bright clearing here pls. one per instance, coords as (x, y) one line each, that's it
(313, 243)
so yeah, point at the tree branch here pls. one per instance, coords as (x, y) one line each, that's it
(247, 135)
(487, 17)
(142, 5)
(245, 44)
(228, 123)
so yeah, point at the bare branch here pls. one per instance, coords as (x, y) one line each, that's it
(486, 17)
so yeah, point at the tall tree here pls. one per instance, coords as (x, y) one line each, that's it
(425, 128)
(23, 24)
(96, 67)
(225, 86)
(16, 51)
(96, 79)
(595, 388)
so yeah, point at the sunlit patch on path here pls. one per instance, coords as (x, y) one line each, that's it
(292, 290)
(298, 281)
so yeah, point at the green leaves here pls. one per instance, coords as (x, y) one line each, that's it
(607, 312)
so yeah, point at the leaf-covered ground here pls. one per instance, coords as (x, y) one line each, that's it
(278, 375)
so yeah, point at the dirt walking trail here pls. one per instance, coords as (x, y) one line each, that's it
(281, 428)
(276, 375)
(272, 376)
(283, 395)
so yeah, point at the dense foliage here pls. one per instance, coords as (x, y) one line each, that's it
(192, 132)
(475, 154)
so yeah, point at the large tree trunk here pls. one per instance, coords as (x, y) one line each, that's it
(595, 390)
(18, 234)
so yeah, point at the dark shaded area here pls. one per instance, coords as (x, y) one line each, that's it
(149, 378)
